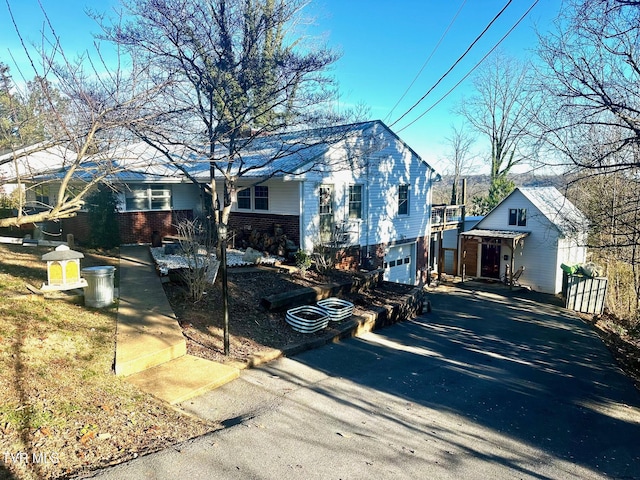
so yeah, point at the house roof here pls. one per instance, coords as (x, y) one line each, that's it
(507, 234)
(556, 208)
(294, 152)
(273, 155)
(35, 160)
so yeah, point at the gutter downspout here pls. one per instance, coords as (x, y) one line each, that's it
(302, 215)
(366, 215)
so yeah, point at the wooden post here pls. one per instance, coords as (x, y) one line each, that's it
(463, 244)
(513, 252)
(441, 253)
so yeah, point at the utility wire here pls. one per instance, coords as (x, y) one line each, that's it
(427, 60)
(454, 65)
(472, 70)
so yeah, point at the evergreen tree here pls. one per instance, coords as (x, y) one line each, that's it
(103, 209)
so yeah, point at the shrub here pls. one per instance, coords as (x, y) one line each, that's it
(303, 261)
(197, 249)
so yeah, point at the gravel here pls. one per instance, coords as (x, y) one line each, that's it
(166, 262)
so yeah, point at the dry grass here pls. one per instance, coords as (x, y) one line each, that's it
(62, 410)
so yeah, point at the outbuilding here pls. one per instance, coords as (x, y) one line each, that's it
(534, 230)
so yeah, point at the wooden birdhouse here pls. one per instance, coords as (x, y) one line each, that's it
(63, 269)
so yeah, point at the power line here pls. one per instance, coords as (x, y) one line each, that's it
(455, 63)
(472, 70)
(427, 60)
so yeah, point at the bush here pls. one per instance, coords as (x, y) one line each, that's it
(197, 249)
(303, 261)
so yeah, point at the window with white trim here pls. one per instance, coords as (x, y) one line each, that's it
(244, 199)
(261, 197)
(148, 197)
(403, 199)
(42, 193)
(355, 201)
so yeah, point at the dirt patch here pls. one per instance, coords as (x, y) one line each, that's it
(254, 330)
(624, 347)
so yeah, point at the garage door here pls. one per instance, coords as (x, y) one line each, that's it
(399, 264)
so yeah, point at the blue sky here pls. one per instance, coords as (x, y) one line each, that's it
(384, 45)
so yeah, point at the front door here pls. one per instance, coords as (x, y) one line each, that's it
(490, 262)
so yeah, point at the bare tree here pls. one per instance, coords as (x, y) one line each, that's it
(611, 200)
(592, 73)
(501, 112)
(592, 125)
(76, 112)
(240, 74)
(460, 162)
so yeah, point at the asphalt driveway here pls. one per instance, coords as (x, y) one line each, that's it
(487, 385)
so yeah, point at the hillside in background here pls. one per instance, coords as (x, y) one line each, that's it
(478, 185)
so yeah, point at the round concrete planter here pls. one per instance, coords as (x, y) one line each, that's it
(307, 318)
(337, 308)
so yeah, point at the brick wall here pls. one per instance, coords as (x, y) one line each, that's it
(135, 227)
(347, 258)
(78, 226)
(138, 227)
(290, 224)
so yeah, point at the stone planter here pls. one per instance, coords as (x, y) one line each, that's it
(337, 308)
(307, 318)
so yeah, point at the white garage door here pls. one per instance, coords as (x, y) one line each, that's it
(399, 264)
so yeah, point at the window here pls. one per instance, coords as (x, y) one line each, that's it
(244, 199)
(42, 195)
(355, 201)
(518, 216)
(326, 200)
(261, 197)
(144, 197)
(403, 199)
(325, 209)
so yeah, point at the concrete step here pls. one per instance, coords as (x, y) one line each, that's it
(183, 378)
(146, 339)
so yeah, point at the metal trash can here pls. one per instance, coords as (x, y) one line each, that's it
(99, 290)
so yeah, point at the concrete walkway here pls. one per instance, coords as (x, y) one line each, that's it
(150, 348)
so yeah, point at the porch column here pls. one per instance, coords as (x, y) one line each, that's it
(512, 263)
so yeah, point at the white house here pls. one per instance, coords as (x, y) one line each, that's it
(356, 186)
(534, 227)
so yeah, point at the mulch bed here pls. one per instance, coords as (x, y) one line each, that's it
(252, 328)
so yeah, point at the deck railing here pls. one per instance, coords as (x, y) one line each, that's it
(446, 216)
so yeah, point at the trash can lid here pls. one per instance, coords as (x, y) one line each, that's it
(98, 269)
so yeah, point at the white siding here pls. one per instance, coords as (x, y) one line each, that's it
(309, 222)
(284, 197)
(392, 164)
(186, 196)
(543, 251)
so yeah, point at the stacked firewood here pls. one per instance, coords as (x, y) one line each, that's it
(274, 243)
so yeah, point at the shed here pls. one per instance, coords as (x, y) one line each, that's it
(537, 228)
